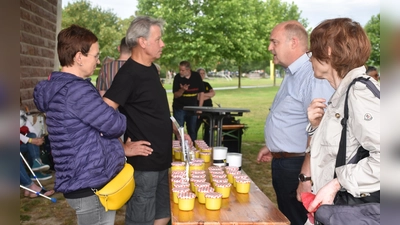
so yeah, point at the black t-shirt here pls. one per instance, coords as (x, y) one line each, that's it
(143, 100)
(207, 88)
(189, 97)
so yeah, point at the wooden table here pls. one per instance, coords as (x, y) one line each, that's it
(242, 209)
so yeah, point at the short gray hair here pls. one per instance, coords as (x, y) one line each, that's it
(140, 27)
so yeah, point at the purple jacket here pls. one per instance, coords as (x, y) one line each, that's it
(83, 132)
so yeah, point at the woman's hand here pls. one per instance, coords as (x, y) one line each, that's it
(325, 195)
(37, 141)
(316, 111)
(134, 148)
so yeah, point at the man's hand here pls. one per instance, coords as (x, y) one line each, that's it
(184, 86)
(187, 137)
(303, 187)
(135, 148)
(264, 155)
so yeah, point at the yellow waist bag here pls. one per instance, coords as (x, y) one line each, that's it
(118, 191)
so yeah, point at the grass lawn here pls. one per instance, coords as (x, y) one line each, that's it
(258, 100)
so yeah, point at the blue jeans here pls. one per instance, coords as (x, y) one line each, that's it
(90, 211)
(24, 178)
(285, 172)
(32, 150)
(190, 118)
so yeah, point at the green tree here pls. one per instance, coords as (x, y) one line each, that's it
(103, 23)
(372, 28)
(206, 32)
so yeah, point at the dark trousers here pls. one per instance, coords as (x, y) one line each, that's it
(285, 181)
(188, 117)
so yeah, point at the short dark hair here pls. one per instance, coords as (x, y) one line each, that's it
(123, 47)
(185, 64)
(72, 40)
(350, 46)
(370, 69)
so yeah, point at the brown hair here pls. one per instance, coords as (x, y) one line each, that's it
(350, 46)
(72, 40)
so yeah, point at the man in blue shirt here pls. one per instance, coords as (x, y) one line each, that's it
(285, 128)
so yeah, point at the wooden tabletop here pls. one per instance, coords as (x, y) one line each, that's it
(252, 208)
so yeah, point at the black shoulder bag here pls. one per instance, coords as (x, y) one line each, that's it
(347, 209)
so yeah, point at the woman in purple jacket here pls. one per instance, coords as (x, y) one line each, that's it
(83, 130)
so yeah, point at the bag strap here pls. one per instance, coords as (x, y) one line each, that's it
(341, 156)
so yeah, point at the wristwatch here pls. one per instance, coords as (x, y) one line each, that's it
(303, 178)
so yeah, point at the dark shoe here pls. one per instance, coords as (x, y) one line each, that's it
(39, 166)
(41, 176)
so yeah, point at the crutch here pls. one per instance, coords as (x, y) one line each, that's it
(33, 174)
(39, 193)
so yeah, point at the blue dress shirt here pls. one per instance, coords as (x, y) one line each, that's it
(285, 126)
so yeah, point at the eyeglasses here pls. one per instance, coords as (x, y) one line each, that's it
(95, 56)
(309, 54)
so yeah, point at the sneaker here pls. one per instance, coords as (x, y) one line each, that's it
(41, 176)
(39, 166)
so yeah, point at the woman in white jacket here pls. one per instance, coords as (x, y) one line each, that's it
(339, 48)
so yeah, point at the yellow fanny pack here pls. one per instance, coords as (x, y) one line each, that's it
(118, 191)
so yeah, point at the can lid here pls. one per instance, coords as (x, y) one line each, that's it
(213, 195)
(220, 180)
(176, 163)
(223, 184)
(178, 185)
(186, 195)
(195, 180)
(195, 163)
(215, 168)
(230, 169)
(202, 184)
(218, 175)
(205, 153)
(180, 189)
(216, 172)
(197, 172)
(199, 175)
(206, 189)
(243, 180)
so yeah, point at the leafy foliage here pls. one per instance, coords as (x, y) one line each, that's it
(105, 24)
(208, 32)
(372, 28)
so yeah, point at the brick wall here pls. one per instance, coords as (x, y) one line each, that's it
(39, 23)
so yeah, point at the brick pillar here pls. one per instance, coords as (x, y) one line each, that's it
(39, 23)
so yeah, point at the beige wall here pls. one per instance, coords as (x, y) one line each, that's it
(40, 21)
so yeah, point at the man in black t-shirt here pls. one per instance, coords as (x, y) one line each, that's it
(208, 94)
(138, 93)
(188, 89)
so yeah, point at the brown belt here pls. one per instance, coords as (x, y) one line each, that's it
(278, 155)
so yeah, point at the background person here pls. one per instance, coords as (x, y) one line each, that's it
(372, 72)
(83, 129)
(108, 70)
(138, 93)
(26, 181)
(188, 89)
(340, 48)
(208, 94)
(285, 127)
